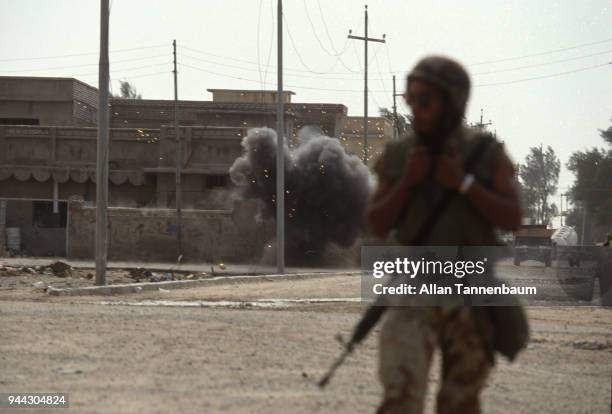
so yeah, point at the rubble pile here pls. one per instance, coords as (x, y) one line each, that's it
(61, 273)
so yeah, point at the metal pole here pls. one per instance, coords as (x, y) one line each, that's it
(365, 39)
(365, 92)
(584, 213)
(55, 197)
(395, 126)
(177, 174)
(280, 161)
(561, 210)
(102, 150)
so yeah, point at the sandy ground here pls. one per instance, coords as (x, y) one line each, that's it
(113, 355)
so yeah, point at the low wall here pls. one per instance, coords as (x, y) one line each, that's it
(150, 234)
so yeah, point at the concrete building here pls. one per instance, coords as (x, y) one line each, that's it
(48, 152)
(235, 108)
(47, 101)
(380, 130)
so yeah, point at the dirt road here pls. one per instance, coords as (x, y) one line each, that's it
(114, 355)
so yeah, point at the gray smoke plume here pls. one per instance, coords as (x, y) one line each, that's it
(326, 190)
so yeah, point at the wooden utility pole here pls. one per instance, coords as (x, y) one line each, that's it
(481, 125)
(177, 174)
(365, 39)
(280, 161)
(102, 150)
(395, 118)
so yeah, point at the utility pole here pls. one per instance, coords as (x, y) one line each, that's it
(395, 118)
(280, 161)
(102, 150)
(584, 214)
(177, 174)
(481, 125)
(561, 210)
(365, 39)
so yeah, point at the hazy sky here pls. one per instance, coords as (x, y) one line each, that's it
(231, 46)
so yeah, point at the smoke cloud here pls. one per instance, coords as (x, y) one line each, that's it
(326, 190)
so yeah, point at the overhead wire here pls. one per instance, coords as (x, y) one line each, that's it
(272, 36)
(544, 76)
(82, 54)
(257, 43)
(337, 55)
(84, 65)
(549, 52)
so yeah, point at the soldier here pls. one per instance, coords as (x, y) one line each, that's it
(413, 173)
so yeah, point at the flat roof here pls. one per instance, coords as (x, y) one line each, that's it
(249, 90)
(51, 78)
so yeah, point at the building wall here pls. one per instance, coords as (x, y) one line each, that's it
(254, 96)
(142, 163)
(144, 113)
(150, 234)
(380, 131)
(19, 214)
(50, 101)
(44, 113)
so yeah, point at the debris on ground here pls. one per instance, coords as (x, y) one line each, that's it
(60, 274)
(139, 273)
(60, 269)
(40, 285)
(592, 345)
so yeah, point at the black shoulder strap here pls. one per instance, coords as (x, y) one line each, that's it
(427, 226)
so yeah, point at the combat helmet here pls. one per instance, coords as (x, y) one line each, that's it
(448, 75)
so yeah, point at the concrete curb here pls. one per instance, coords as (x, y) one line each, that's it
(181, 284)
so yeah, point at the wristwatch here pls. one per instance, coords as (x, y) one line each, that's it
(467, 182)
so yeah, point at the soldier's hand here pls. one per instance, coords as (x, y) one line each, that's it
(449, 171)
(417, 165)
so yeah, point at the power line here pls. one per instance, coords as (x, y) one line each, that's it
(299, 55)
(272, 35)
(331, 42)
(314, 31)
(337, 55)
(251, 62)
(127, 69)
(391, 71)
(83, 65)
(81, 54)
(256, 81)
(387, 90)
(549, 52)
(255, 70)
(389, 59)
(380, 79)
(257, 47)
(544, 64)
(544, 76)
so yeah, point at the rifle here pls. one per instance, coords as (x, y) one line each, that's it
(363, 327)
(375, 311)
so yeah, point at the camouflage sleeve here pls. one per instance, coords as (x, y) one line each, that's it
(487, 167)
(391, 163)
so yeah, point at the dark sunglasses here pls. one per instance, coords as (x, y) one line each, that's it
(422, 100)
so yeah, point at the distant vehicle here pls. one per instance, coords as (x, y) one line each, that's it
(533, 242)
(565, 245)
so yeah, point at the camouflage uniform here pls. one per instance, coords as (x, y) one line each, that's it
(410, 335)
(408, 339)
